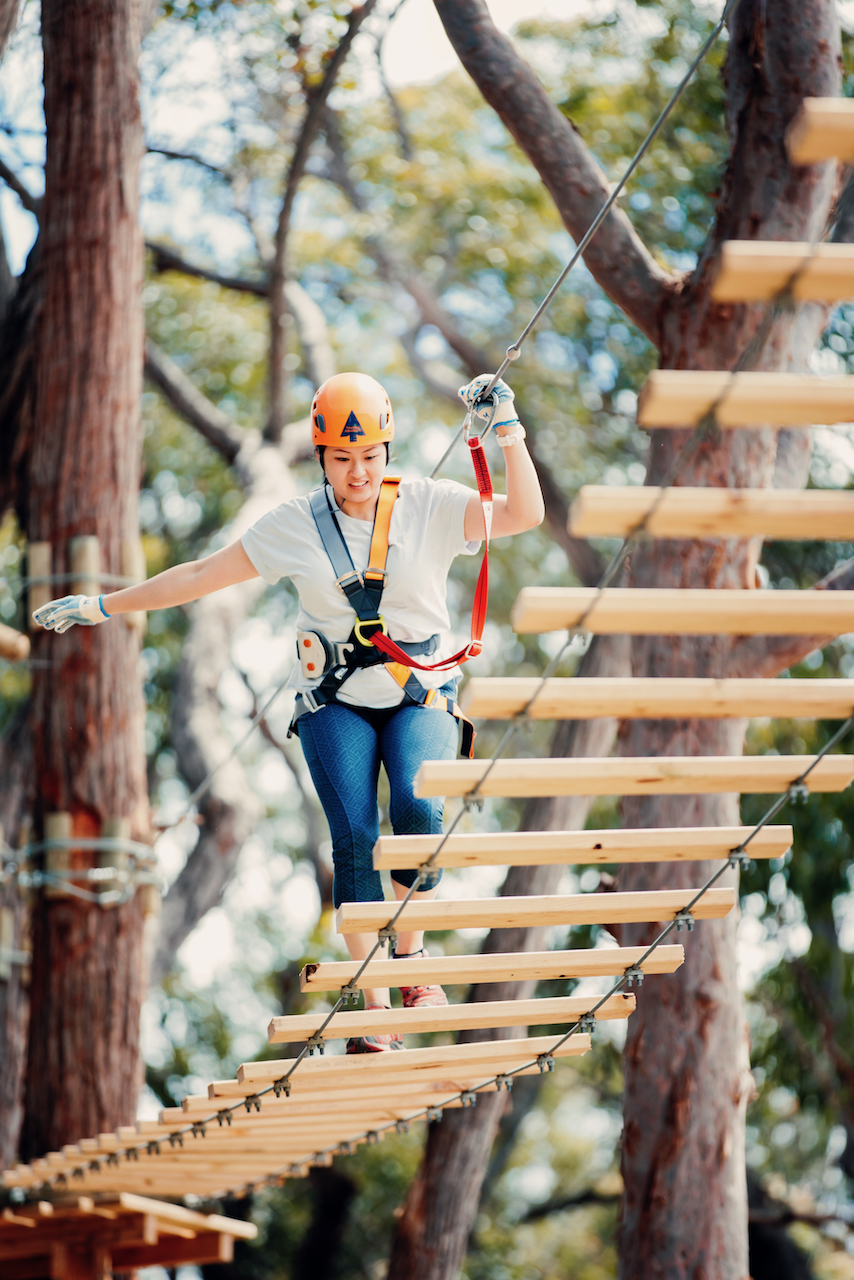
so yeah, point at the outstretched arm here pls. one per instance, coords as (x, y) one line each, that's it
(179, 585)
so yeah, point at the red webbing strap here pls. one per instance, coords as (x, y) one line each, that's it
(481, 592)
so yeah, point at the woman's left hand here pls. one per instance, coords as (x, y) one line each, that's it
(500, 399)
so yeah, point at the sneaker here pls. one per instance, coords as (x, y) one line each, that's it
(422, 997)
(374, 1044)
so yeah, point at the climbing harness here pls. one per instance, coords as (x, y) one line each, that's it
(369, 643)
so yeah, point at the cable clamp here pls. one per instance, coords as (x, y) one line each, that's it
(372, 1137)
(61, 1180)
(315, 1042)
(349, 994)
(684, 920)
(739, 859)
(473, 803)
(94, 1166)
(545, 1062)
(402, 1126)
(468, 1099)
(176, 1138)
(78, 1173)
(113, 1159)
(345, 1149)
(388, 934)
(434, 1114)
(223, 1115)
(634, 974)
(587, 1023)
(252, 1100)
(799, 792)
(427, 877)
(153, 1149)
(199, 1130)
(280, 1087)
(132, 1153)
(503, 1082)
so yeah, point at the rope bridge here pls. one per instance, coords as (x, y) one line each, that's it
(279, 1117)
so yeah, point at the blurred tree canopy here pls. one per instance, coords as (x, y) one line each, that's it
(426, 183)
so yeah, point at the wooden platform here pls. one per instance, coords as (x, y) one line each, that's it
(535, 910)
(580, 698)
(823, 129)
(78, 1237)
(682, 398)
(662, 611)
(631, 776)
(757, 270)
(542, 848)
(600, 511)
(538, 965)
(452, 1017)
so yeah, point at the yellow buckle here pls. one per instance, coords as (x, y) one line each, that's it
(377, 623)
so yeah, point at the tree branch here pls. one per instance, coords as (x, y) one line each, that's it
(194, 159)
(616, 257)
(397, 115)
(166, 259)
(9, 12)
(769, 655)
(315, 106)
(185, 397)
(30, 202)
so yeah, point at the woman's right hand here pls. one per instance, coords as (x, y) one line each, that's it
(70, 611)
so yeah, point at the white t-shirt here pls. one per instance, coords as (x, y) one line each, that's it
(426, 533)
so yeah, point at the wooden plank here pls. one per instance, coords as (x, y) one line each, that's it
(539, 965)
(215, 1247)
(454, 1017)
(627, 698)
(465, 1077)
(486, 1057)
(823, 129)
(631, 776)
(683, 397)
(535, 910)
(547, 848)
(609, 511)
(176, 1213)
(756, 271)
(670, 611)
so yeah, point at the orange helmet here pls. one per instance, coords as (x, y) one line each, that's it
(349, 410)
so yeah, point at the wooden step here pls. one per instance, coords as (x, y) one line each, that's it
(487, 1057)
(584, 698)
(227, 1092)
(608, 511)
(683, 397)
(632, 776)
(453, 1017)
(571, 848)
(668, 611)
(823, 129)
(539, 965)
(361, 1093)
(534, 911)
(757, 270)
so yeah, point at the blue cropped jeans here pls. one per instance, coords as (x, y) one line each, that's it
(344, 747)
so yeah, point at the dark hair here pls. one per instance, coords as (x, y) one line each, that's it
(321, 450)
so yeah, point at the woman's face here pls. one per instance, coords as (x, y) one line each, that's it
(356, 476)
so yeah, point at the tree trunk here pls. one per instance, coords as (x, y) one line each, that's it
(83, 472)
(442, 1202)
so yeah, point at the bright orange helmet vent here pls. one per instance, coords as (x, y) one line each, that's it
(351, 410)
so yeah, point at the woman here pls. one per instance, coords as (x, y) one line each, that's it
(355, 708)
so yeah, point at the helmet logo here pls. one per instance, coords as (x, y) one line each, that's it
(319, 419)
(352, 428)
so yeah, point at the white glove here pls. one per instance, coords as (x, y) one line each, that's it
(500, 396)
(59, 615)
